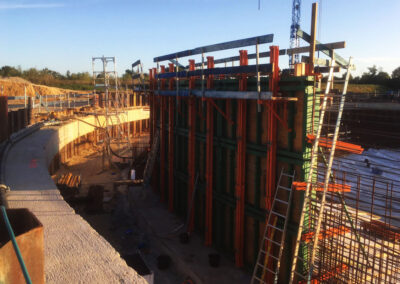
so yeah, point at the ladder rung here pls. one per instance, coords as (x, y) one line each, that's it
(287, 175)
(300, 258)
(266, 268)
(301, 275)
(278, 244)
(259, 279)
(273, 256)
(286, 188)
(281, 201)
(278, 214)
(276, 228)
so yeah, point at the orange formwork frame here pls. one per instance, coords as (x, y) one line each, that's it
(240, 166)
(209, 157)
(191, 149)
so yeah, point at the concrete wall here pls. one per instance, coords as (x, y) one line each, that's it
(71, 131)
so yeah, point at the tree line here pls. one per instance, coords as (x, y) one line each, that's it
(377, 76)
(45, 76)
(83, 80)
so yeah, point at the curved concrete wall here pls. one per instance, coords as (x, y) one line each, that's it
(71, 131)
(74, 252)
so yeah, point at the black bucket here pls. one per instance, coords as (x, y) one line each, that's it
(214, 259)
(184, 238)
(163, 261)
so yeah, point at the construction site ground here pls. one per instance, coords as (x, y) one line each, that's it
(133, 219)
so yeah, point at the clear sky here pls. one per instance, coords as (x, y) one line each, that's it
(64, 34)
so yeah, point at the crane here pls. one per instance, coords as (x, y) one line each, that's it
(294, 40)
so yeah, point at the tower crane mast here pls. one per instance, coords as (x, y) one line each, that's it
(294, 40)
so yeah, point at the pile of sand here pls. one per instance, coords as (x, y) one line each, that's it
(14, 86)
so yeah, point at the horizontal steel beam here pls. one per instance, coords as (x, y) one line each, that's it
(134, 64)
(218, 94)
(263, 68)
(217, 47)
(297, 50)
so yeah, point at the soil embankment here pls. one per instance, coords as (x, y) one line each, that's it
(15, 86)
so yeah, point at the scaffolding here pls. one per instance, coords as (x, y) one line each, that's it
(105, 82)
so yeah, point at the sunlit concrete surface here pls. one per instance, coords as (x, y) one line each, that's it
(74, 251)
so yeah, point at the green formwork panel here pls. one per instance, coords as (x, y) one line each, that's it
(224, 150)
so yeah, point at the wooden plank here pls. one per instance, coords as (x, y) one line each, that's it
(313, 35)
(326, 50)
(318, 47)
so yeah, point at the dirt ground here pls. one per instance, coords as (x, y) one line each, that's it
(115, 220)
(14, 86)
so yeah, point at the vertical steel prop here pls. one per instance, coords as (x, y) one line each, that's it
(191, 148)
(162, 138)
(271, 127)
(240, 166)
(271, 140)
(209, 157)
(171, 112)
(151, 103)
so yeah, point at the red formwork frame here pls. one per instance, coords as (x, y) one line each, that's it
(171, 110)
(240, 166)
(209, 157)
(191, 149)
(271, 141)
(162, 138)
(155, 104)
(271, 127)
(152, 108)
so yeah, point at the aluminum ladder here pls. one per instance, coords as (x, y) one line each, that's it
(318, 205)
(273, 241)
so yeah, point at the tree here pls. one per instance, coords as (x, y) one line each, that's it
(396, 73)
(127, 75)
(372, 70)
(68, 74)
(8, 71)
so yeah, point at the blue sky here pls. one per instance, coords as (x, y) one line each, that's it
(64, 34)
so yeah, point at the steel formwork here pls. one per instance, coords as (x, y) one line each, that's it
(233, 128)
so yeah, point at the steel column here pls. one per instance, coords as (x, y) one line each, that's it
(271, 127)
(240, 166)
(191, 150)
(171, 142)
(162, 138)
(209, 158)
(151, 104)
